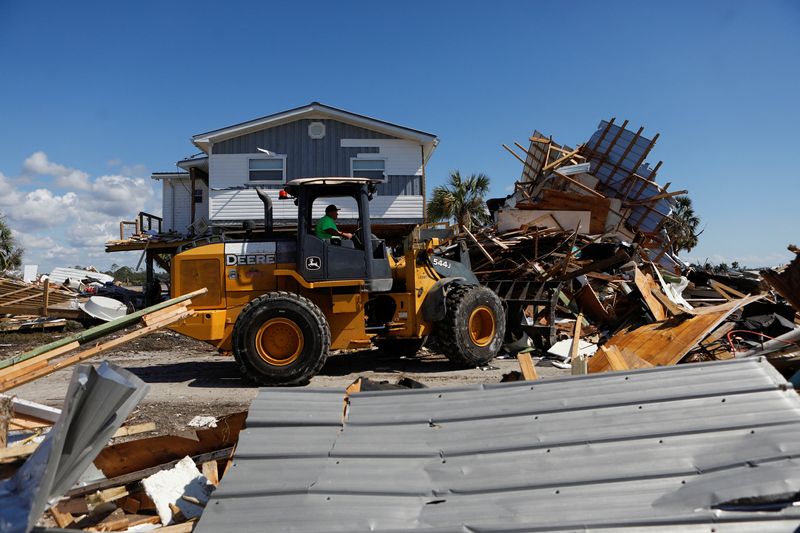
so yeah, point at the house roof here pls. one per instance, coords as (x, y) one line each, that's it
(168, 175)
(314, 110)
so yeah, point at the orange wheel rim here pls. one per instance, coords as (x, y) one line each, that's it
(481, 326)
(279, 341)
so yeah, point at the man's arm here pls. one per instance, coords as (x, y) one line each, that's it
(336, 233)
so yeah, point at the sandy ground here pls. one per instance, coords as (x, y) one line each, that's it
(188, 378)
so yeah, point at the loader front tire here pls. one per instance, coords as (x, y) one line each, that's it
(281, 338)
(473, 329)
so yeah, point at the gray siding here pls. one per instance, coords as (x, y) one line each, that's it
(305, 157)
(401, 186)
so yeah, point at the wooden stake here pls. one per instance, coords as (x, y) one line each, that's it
(577, 361)
(526, 366)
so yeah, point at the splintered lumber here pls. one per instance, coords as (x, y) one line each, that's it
(644, 285)
(41, 361)
(101, 330)
(577, 361)
(787, 281)
(526, 366)
(667, 342)
(132, 456)
(5, 418)
(44, 364)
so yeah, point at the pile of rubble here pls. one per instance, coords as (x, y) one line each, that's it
(581, 254)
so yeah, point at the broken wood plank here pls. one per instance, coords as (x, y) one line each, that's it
(723, 289)
(138, 475)
(36, 373)
(63, 519)
(652, 303)
(667, 342)
(577, 361)
(127, 431)
(615, 359)
(101, 330)
(209, 470)
(526, 366)
(480, 246)
(20, 450)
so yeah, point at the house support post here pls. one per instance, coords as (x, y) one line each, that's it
(152, 287)
(193, 177)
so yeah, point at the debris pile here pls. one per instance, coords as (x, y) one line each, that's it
(84, 483)
(581, 254)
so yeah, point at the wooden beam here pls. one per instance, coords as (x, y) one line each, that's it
(45, 369)
(615, 359)
(101, 330)
(526, 366)
(579, 184)
(482, 249)
(577, 361)
(655, 197)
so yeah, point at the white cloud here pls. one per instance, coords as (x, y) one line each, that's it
(38, 163)
(70, 225)
(8, 193)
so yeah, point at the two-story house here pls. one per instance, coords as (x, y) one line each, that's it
(219, 184)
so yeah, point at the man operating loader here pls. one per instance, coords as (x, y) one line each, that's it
(326, 226)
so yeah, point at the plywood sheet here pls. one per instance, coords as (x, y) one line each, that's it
(668, 341)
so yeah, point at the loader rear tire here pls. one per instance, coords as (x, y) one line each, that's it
(281, 338)
(473, 329)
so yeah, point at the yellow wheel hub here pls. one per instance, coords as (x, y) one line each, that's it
(481, 326)
(279, 341)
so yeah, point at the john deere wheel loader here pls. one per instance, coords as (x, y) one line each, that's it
(281, 303)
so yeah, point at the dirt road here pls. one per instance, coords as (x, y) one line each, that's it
(188, 378)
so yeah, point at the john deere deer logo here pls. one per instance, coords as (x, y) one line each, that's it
(313, 263)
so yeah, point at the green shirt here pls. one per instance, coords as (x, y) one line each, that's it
(323, 225)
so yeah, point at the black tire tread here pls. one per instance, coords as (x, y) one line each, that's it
(324, 333)
(446, 330)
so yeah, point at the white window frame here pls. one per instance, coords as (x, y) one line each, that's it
(370, 157)
(251, 157)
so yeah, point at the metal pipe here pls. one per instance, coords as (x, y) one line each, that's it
(267, 209)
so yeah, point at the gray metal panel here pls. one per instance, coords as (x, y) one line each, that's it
(654, 450)
(305, 157)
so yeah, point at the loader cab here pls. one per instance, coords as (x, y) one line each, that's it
(365, 257)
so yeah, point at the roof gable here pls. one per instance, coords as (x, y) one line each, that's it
(313, 110)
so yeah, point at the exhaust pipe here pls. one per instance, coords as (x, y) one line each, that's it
(267, 209)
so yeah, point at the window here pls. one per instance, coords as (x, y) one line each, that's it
(368, 168)
(272, 169)
(198, 196)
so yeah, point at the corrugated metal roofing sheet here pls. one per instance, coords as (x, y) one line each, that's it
(656, 450)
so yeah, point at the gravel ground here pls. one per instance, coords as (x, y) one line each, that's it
(188, 378)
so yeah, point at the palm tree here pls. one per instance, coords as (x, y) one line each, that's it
(682, 229)
(461, 200)
(10, 253)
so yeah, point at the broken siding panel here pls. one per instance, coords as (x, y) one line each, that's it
(305, 157)
(656, 449)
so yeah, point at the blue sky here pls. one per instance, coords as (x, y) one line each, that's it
(96, 95)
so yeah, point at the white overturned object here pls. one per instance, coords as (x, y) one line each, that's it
(103, 308)
(170, 486)
(562, 349)
(60, 275)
